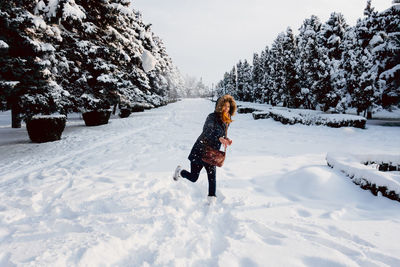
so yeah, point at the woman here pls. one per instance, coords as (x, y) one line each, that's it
(213, 135)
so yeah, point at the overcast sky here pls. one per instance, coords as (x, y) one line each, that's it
(205, 38)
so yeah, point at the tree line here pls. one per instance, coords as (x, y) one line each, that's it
(74, 55)
(327, 66)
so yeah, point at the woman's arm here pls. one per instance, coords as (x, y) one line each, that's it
(209, 128)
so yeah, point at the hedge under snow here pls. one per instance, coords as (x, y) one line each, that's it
(363, 171)
(311, 117)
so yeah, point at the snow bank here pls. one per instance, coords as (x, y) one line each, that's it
(360, 168)
(311, 117)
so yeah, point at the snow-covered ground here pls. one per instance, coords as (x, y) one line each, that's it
(104, 196)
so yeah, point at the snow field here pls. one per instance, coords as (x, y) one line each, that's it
(105, 196)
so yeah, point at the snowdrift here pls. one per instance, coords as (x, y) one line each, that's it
(365, 171)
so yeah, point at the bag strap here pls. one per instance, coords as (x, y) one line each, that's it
(226, 135)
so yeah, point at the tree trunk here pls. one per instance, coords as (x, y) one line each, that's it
(369, 113)
(15, 117)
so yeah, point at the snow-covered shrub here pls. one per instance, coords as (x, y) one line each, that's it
(45, 128)
(362, 170)
(96, 117)
(246, 110)
(311, 117)
(125, 112)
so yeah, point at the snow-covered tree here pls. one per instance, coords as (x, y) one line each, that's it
(267, 78)
(196, 88)
(94, 53)
(385, 46)
(332, 34)
(308, 60)
(257, 76)
(228, 85)
(244, 81)
(277, 74)
(28, 64)
(329, 66)
(358, 62)
(291, 85)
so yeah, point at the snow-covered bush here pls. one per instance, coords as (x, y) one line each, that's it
(311, 117)
(363, 170)
(96, 117)
(45, 128)
(246, 110)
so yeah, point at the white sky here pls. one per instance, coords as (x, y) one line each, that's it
(205, 38)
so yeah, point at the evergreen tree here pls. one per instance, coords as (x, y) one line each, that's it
(29, 62)
(277, 74)
(246, 82)
(358, 63)
(329, 66)
(81, 55)
(291, 85)
(267, 76)
(232, 85)
(284, 84)
(385, 46)
(257, 76)
(332, 34)
(363, 95)
(331, 38)
(240, 81)
(308, 60)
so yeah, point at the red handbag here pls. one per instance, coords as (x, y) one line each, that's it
(213, 156)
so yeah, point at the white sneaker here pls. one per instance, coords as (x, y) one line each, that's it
(211, 200)
(177, 173)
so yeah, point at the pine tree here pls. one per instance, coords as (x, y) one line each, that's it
(284, 84)
(240, 81)
(232, 85)
(291, 84)
(329, 85)
(332, 34)
(385, 46)
(257, 76)
(246, 82)
(267, 76)
(92, 54)
(308, 61)
(358, 63)
(29, 61)
(277, 71)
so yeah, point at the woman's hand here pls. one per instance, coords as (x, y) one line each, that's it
(229, 141)
(225, 141)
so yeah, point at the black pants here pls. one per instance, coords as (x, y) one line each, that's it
(194, 173)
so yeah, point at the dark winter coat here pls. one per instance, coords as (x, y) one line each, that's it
(213, 129)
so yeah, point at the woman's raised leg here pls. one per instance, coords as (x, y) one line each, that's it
(194, 173)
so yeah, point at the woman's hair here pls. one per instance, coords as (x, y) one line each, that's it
(221, 102)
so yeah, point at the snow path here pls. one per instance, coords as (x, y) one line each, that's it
(104, 196)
